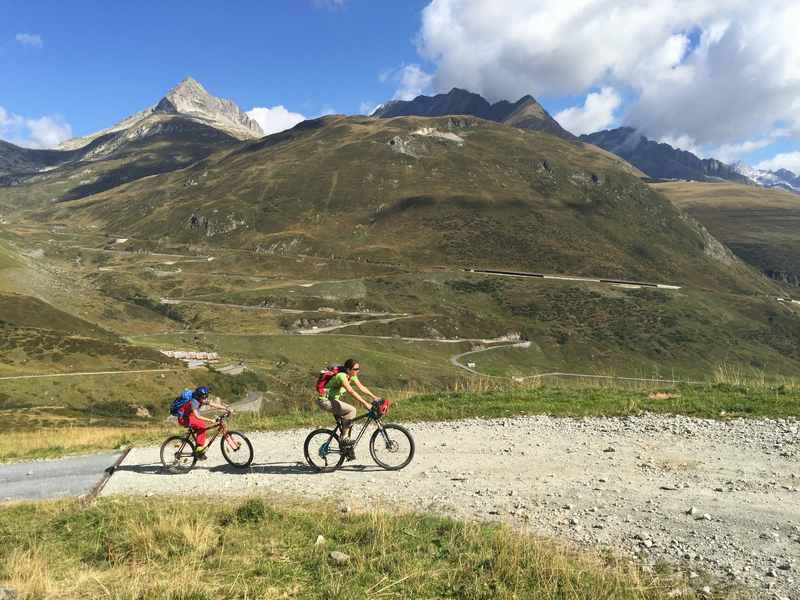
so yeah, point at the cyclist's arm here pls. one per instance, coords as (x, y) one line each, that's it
(355, 394)
(220, 406)
(201, 417)
(364, 389)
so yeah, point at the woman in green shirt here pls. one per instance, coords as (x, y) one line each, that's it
(335, 389)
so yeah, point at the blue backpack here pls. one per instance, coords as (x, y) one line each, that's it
(182, 400)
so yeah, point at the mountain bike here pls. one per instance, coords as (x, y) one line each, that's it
(391, 445)
(179, 452)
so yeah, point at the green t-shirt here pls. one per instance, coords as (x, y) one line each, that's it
(335, 389)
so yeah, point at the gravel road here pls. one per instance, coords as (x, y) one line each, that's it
(721, 498)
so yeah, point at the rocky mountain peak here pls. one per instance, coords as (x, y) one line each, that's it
(525, 113)
(187, 100)
(191, 98)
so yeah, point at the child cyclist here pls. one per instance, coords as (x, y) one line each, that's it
(189, 415)
(331, 400)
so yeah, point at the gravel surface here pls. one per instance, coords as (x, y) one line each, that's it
(716, 498)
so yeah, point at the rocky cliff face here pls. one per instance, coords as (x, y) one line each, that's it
(189, 100)
(659, 160)
(525, 113)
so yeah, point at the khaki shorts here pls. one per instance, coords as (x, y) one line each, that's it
(337, 407)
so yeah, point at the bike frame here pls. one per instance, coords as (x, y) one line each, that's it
(220, 428)
(370, 418)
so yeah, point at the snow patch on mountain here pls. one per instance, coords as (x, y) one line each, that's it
(783, 179)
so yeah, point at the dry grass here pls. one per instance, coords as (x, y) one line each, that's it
(59, 440)
(173, 548)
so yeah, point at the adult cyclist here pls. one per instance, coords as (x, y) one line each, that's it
(331, 400)
(190, 417)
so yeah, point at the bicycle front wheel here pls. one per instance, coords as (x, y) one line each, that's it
(237, 449)
(392, 447)
(322, 450)
(178, 454)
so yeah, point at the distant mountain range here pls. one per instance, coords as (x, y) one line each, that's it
(186, 125)
(659, 160)
(782, 178)
(525, 113)
(656, 159)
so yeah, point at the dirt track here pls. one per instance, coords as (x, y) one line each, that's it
(716, 497)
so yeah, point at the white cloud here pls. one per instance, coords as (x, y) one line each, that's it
(719, 71)
(411, 80)
(683, 142)
(785, 160)
(275, 119)
(327, 110)
(30, 39)
(42, 132)
(596, 113)
(367, 108)
(732, 152)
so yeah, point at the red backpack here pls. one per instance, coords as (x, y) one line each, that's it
(325, 376)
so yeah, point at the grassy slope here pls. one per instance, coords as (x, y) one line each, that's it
(760, 225)
(37, 337)
(503, 198)
(130, 161)
(148, 549)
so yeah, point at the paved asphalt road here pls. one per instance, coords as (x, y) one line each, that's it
(53, 478)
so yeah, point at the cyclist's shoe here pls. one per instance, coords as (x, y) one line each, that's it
(201, 453)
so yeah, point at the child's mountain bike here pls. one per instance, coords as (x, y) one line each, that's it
(179, 452)
(391, 445)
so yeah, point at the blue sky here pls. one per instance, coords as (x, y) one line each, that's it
(100, 61)
(711, 76)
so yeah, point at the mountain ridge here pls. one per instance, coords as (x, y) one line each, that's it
(525, 113)
(660, 160)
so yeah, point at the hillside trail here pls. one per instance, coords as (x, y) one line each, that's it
(708, 496)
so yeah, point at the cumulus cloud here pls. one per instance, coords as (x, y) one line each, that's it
(785, 160)
(42, 132)
(30, 39)
(733, 152)
(411, 81)
(275, 119)
(683, 142)
(596, 113)
(367, 107)
(719, 71)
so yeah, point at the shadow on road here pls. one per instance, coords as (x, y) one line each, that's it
(276, 468)
(286, 468)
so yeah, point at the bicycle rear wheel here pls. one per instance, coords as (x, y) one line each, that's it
(322, 450)
(392, 447)
(236, 449)
(178, 454)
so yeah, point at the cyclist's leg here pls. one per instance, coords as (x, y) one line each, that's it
(346, 413)
(199, 427)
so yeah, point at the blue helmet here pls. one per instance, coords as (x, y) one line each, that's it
(200, 393)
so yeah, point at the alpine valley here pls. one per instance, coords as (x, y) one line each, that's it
(393, 237)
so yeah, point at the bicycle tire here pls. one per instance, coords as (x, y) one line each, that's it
(386, 438)
(310, 451)
(243, 461)
(175, 457)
